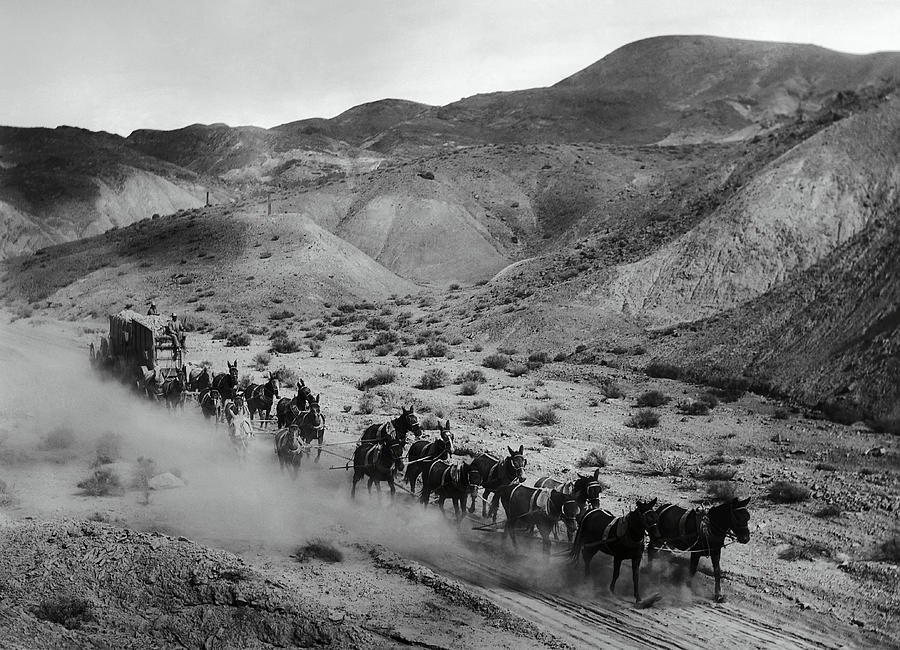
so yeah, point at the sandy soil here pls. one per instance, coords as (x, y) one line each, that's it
(409, 577)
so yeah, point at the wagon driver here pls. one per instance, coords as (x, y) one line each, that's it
(175, 331)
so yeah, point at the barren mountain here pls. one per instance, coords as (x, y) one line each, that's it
(65, 183)
(669, 89)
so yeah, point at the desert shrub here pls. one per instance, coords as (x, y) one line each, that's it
(315, 348)
(516, 369)
(662, 370)
(257, 330)
(433, 378)
(368, 402)
(721, 490)
(548, 441)
(539, 357)
(541, 416)
(59, 438)
(889, 549)
(653, 398)
(381, 377)
(560, 356)
(436, 349)
(378, 323)
(507, 351)
(477, 347)
(727, 395)
(885, 425)
(385, 338)
(781, 413)
(430, 423)
(286, 376)
(285, 345)
(65, 610)
(104, 482)
(480, 404)
(826, 467)
(709, 399)
(362, 357)
(476, 376)
(665, 465)
(610, 389)
(383, 350)
(318, 549)
(596, 457)
(643, 419)
(787, 492)
(108, 448)
(261, 361)
(281, 315)
(806, 551)
(497, 361)
(469, 388)
(693, 408)
(717, 473)
(278, 333)
(829, 511)
(718, 459)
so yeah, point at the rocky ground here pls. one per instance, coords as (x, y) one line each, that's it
(213, 562)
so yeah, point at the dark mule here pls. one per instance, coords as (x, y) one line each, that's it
(211, 404)
(394, 430)
(289, 450)
(260, 397)
(312, 426)
(450, 481)
(288, 408)
(542, 507)
(424, 452)
(377, 460)
(172, 391)
(621, 537)
(496, 473)
(701, 533)
(584, 489)
(226, 382)
(200, 379)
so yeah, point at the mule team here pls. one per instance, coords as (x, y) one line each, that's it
(379, 455)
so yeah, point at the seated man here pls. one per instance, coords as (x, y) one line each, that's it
(175, 331)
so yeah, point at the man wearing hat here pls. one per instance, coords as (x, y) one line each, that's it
(152, 311)
(175, 331)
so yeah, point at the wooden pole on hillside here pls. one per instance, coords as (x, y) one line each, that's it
(269, 204)
(207, 198)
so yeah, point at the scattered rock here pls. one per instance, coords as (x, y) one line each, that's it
(875, 451)
(165, 481)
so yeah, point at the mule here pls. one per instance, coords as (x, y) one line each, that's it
(260, 397)
(424, 452)
(311, 424)
(172, 391)
(377, 460)
(585, 489)
(496, 473)
(621, 537)
(289, 450)
(701, 533)
(450, 481)
(526, 507)
(200, 379)
(394, 430)
(227, 383)
(211, 404)
(240, 432)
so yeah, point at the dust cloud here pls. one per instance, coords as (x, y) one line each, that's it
(47, 385)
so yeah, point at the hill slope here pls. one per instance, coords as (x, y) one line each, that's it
(61, 184)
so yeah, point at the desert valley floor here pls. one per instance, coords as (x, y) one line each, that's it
(213, 562)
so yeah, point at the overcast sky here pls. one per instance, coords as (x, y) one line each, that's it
(120, 65)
